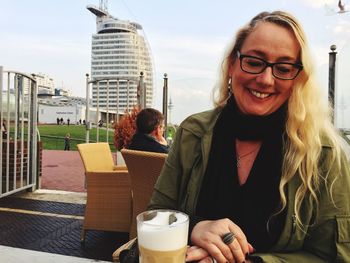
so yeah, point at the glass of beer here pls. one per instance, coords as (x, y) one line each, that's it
(162, 236)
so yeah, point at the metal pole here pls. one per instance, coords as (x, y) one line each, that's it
(127, 95)
(117, 101)
(1, 123)
(107, 117)
(8, 134)
(165, 101)
(15, 130)
(170, 108)
(139, 94)
(87, 122)
(331, 81)
(142, 93)
(34, 133)
(97, 111)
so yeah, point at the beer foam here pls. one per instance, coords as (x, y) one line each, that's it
(157, 234)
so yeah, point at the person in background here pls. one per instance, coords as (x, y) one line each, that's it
(67, 142)
(3, 130)
(262, 176)
(68, 121)
(149, 132)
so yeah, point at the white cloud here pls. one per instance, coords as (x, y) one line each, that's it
(198, 44)
(51, 46)
(192, 64)
(66, 60)
(342, 29)
(188, 57)
(320, 55)
(319, 3)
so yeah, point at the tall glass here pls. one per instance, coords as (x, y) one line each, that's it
(162, 236)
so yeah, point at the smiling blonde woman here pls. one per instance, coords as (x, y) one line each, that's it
(262, 175)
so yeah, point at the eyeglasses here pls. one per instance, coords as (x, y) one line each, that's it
(280, 70)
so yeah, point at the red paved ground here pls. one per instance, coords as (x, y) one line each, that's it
(62, 170)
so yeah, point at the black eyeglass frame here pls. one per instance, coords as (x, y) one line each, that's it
(269, 64)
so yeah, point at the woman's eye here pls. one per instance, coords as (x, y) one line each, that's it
(283, 68)
(255, 63)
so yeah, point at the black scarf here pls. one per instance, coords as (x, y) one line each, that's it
(221, 195)
(248, 127)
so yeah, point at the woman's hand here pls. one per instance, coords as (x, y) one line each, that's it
(197, 254)
(207, 236)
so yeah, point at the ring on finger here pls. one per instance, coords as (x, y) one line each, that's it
(214, 260)
(228, 238)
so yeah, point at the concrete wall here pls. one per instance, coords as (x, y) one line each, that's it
(48, 114)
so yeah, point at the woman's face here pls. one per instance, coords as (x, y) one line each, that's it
(262, 94)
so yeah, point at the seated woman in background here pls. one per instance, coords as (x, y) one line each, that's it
(149, 132)
(262, 176)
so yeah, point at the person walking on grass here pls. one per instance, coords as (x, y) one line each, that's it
(67, 142)
(4, 130)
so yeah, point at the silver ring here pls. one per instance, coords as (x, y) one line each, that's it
(228, 238)
(214, 260)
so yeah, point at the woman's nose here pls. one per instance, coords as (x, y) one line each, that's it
(266, 77)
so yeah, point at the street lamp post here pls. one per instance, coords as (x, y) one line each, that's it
(165, 100)
(331, 81)
(87, 122)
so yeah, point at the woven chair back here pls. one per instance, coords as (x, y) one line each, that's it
(96, 156)
(144, 169)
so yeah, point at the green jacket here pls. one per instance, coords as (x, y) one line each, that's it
(326, 240)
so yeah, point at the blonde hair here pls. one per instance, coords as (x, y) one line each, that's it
(308, 118)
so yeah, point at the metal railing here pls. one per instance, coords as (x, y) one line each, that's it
(18, 114)
(112, 113)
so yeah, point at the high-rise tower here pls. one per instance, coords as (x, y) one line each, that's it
(119, 53)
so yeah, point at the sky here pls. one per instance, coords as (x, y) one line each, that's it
(187, 40)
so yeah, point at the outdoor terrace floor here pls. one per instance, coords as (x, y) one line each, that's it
(45, 226)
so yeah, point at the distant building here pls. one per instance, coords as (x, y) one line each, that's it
(45, 85)
(72, 108)
(62, 101)
(119, 50)
(62, 92)
(48, 114)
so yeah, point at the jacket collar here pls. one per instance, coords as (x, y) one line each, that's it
(203, 123)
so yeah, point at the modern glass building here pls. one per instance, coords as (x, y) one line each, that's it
(119, 53)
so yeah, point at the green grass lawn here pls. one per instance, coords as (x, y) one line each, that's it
(52, 136)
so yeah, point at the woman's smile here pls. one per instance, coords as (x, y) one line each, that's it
(258, 94)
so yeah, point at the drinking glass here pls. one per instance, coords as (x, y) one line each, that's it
(162, 236)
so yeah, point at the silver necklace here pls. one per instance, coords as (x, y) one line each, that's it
(240, 157)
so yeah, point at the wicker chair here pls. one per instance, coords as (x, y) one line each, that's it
(144, 169)
(108, 204)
